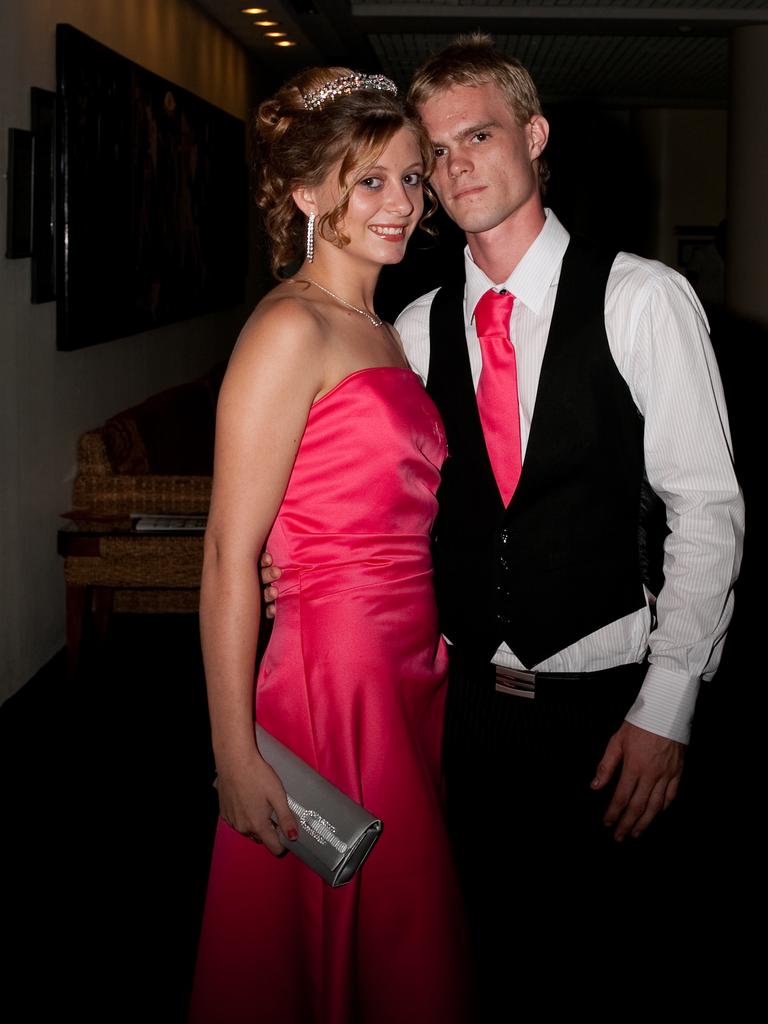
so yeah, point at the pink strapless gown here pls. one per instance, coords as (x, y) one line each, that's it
(353, 680)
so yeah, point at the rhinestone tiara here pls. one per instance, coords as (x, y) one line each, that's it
(346, 84)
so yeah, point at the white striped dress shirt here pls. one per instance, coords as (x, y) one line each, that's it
(658, 337)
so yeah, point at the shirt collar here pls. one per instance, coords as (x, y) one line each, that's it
(531, 279)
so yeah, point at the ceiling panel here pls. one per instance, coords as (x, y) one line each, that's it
(671, 52)
(616, 68)
(608, 5)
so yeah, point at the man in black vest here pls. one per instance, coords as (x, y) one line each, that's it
(572, 687)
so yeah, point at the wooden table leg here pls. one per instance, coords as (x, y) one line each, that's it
(103, 600)
(77, 608)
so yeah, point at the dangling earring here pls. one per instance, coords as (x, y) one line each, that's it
(311, 237)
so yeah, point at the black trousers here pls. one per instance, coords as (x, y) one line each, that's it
(543, 878)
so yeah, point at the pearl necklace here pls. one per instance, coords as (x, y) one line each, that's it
(368, 316)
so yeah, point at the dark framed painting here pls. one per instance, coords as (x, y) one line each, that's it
(700, 259)
(151, 198)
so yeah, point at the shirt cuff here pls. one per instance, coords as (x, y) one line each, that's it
(665, 704)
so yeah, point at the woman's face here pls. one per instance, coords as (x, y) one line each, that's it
(386, 201)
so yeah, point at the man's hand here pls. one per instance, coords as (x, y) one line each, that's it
(651, 767)
(269, 573)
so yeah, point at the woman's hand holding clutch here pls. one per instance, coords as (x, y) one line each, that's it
(249, 795)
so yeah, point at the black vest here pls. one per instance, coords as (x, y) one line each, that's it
(562, 559)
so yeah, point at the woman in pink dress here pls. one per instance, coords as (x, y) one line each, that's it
(328, 448)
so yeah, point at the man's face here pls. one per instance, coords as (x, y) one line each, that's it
(485, 170)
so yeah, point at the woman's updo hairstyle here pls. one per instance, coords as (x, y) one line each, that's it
(297, 146)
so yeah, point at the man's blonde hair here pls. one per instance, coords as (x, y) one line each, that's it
(474, 60)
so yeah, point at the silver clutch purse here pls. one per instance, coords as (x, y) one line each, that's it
(336, 834)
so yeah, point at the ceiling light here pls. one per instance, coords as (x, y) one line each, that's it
(254, 10)
(274, 35)
(285, 42)
(266, 24)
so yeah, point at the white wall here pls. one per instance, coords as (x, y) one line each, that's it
(48, 398)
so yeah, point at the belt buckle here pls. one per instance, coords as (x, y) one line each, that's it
(515, 682)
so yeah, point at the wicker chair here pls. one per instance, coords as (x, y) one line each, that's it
(153, 459)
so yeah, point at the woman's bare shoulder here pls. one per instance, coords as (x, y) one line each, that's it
(284, 323)
(281, 348)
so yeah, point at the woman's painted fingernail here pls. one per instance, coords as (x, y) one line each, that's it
(292, 834)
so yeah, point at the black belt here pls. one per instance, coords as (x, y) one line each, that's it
(520, 683)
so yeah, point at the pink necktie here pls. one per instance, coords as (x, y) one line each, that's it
(497, 390)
